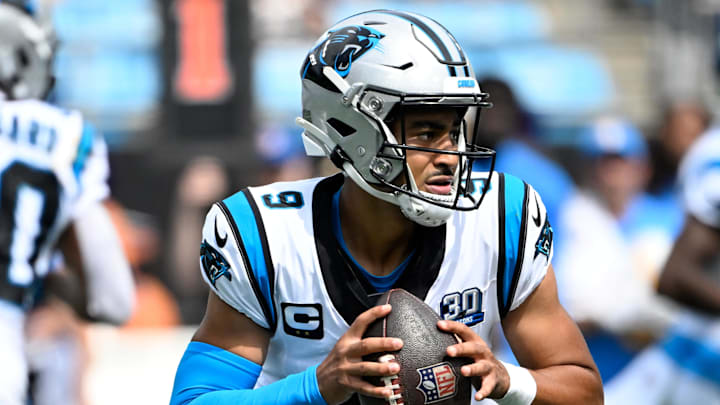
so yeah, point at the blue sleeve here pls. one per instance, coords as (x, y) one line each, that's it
(209, 375)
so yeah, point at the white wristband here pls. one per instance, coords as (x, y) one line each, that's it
(522, 388)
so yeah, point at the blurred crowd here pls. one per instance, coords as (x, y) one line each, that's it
(602, 150)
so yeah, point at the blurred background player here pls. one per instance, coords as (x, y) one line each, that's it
(603, 217)
(691, 276)
(53, 181)
(683, 368)
(681, 122)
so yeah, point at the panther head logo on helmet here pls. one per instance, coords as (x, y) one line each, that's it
(339, 50)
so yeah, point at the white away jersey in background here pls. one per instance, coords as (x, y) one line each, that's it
(700, 179)
(51, 165)
(270, 253)
(684, 368)
(694, 343)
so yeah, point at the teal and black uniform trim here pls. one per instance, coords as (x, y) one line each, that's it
(381, 284)
(350, 291)
(512, 207)
(84, 148)
(247, 226)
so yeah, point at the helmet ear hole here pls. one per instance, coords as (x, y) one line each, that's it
(341, 127)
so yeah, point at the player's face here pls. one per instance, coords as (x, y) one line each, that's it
(434, 129)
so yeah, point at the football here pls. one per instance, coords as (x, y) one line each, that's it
(427, 374)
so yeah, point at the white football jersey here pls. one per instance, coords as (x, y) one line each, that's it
(700, 179)
(51, 165)
(683, 368)
(270, 253)
(694, 343)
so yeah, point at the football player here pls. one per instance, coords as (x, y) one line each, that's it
(684, 367)
(292, 266)
(53, 180)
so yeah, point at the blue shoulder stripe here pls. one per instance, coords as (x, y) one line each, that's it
(694, 355)
(709, 166)
(84, 147)
(249, 231)
(512, 205)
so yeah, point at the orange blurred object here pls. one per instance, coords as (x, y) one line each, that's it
(155, 306)
(203, 74)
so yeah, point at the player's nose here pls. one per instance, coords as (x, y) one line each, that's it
(446, 160)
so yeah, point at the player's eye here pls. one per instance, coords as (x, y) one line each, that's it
(455, 135)
(423, 137)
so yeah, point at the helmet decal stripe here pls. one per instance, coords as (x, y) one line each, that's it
(430, 33)
(426, 29)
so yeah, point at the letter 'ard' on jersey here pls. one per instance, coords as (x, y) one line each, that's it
(269, 252)
(51, 165)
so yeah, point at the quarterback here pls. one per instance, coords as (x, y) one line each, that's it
(53, 180)
(292, 266)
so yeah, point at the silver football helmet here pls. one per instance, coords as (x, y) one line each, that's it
(371, 67)
(26, 52)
